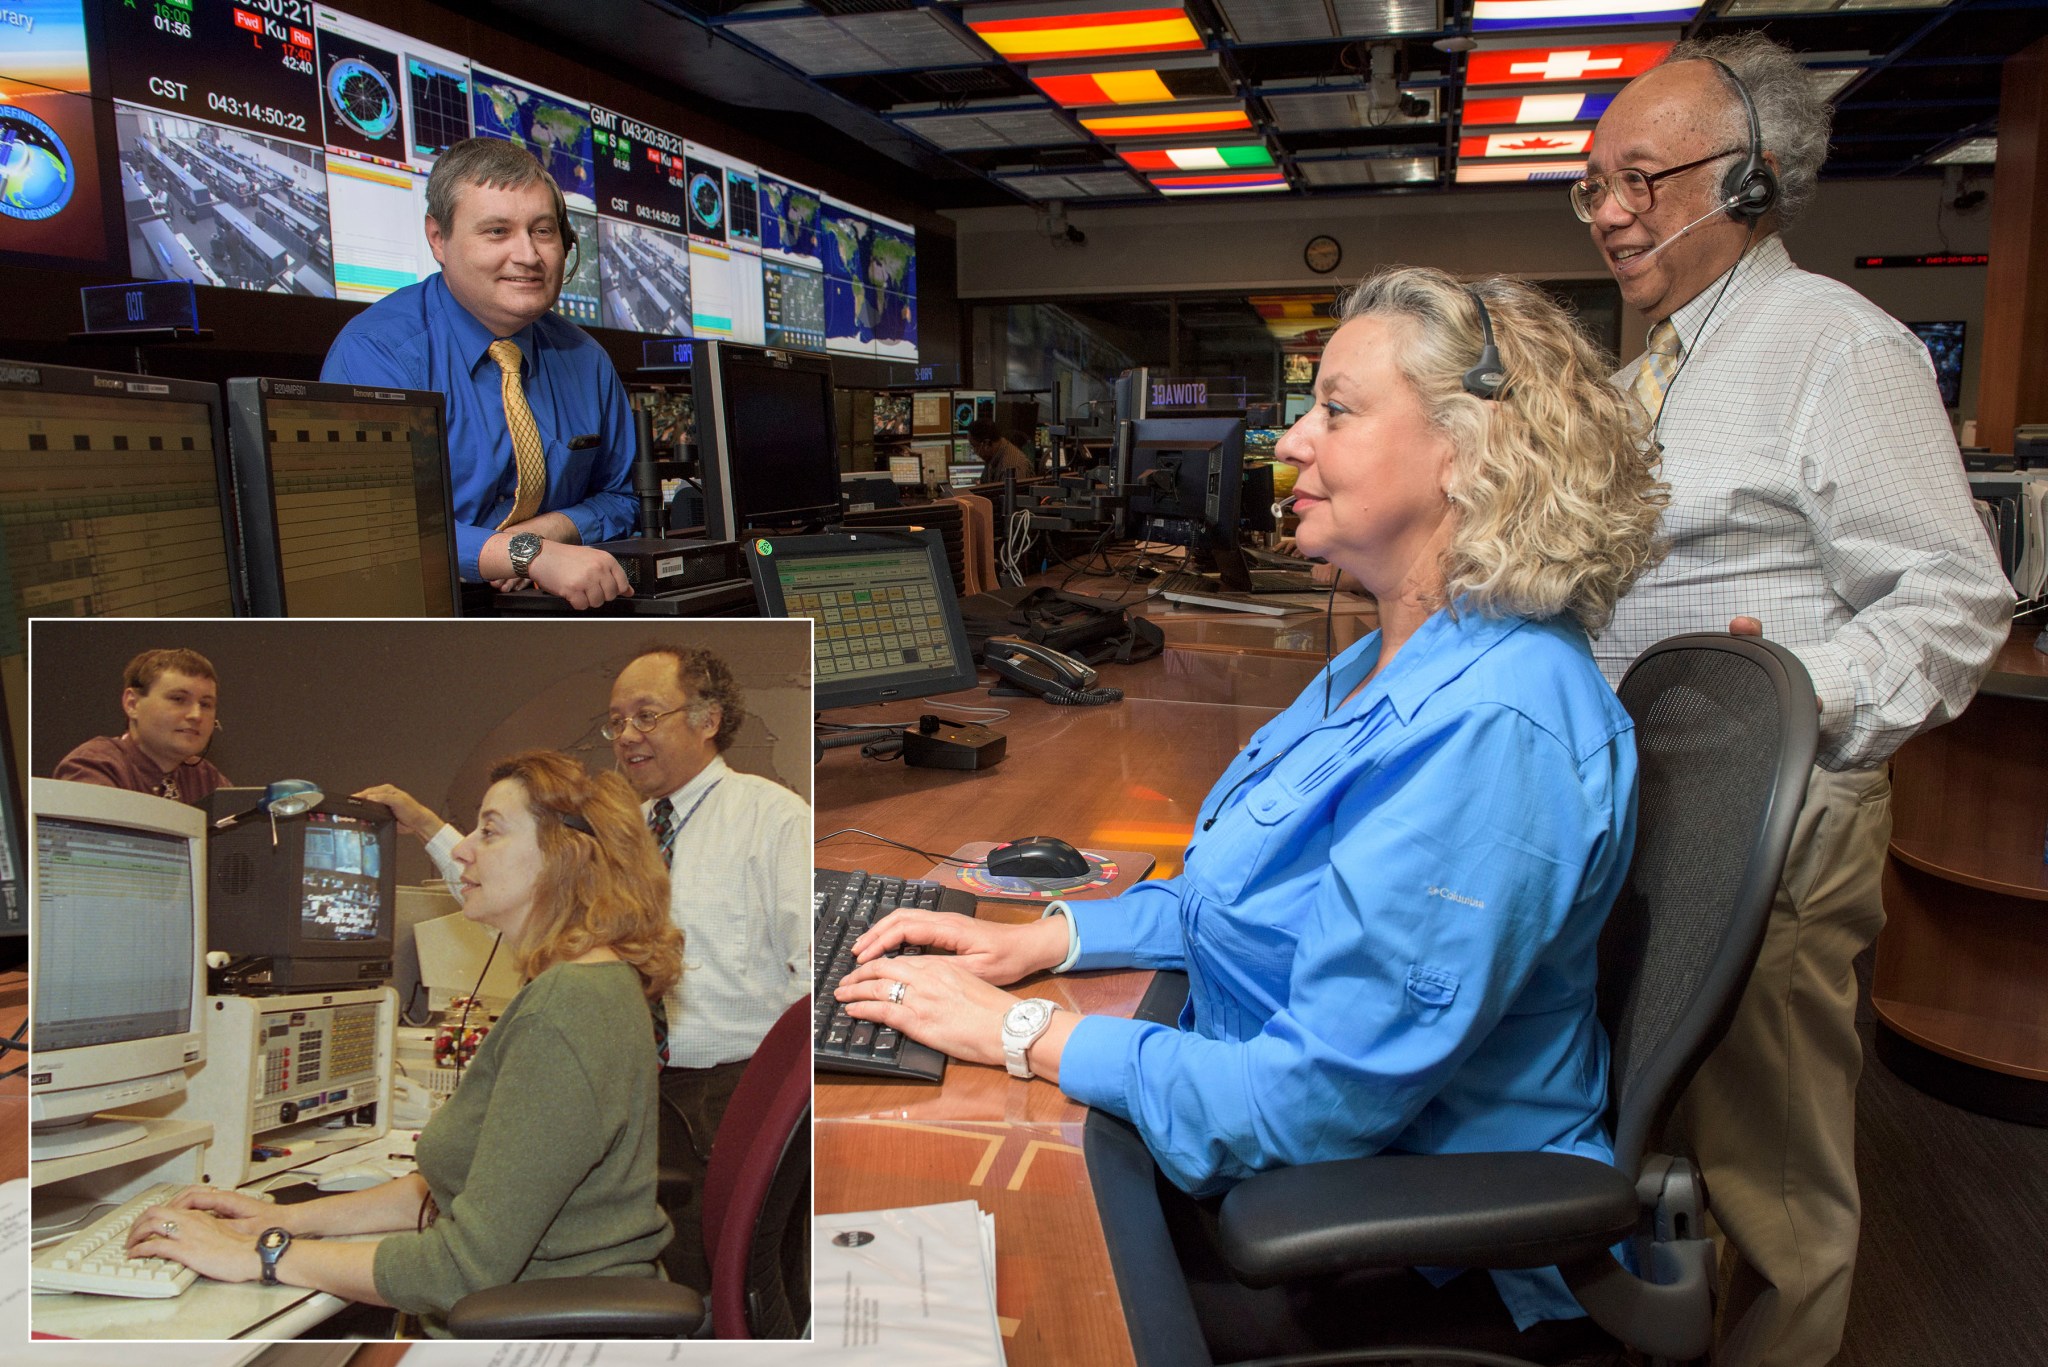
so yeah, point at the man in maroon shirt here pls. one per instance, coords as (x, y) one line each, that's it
(170, 697)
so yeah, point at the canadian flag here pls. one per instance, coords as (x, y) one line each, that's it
(1562, 142)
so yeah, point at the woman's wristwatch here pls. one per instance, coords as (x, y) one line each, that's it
(1022, 1025)
(270, 1246)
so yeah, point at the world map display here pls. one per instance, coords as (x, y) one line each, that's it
(789, 219)
(870, 283)
(556, 133)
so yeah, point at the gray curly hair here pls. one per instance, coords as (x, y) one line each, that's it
(1794, 121)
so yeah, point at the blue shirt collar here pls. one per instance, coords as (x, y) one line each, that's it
(1444, 647)
(473, 338)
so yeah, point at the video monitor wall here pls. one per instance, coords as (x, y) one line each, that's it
(285, 147)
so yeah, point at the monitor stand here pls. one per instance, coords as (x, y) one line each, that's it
(95, 1134)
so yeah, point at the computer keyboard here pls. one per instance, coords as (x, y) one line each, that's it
(95, 1259)
(845, 904)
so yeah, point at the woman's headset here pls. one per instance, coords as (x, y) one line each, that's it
(1485, 379)
(1750, 188)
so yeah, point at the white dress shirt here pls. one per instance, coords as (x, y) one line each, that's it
(1816, 486)
(740, 891)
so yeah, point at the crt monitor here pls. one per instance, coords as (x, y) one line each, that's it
(301, 902)
(114, 502)
(117, 918)
(1184, 479)
(768, 438)
(344, 498)
(886, 624)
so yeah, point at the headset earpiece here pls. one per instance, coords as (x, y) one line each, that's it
(1486, 379)
(1750, 187)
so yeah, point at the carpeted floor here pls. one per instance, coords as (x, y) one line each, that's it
(1953, 1268)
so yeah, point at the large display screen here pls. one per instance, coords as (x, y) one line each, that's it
(284, 146)
(51, 198)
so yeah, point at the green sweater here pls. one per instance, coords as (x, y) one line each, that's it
(543, 1162)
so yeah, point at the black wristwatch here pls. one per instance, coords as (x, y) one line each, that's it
(270, 1246)
(522, 549)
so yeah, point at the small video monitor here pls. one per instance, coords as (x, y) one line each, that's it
(886, 622)
(315, 894)
(931, 414)
(905, 470)
(1944, 342)
(344, 498)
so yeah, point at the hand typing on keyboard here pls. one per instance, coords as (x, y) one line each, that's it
(210, 1231)
(993, 952)
(950, 1002)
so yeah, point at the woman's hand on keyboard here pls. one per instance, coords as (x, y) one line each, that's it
(991, 951)
(212, 1247)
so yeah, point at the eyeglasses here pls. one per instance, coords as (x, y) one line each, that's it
(1633, 189)
(643, 722)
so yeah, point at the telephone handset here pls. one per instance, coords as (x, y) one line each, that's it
(1032, 670)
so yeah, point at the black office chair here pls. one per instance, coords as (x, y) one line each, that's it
(1726, 729)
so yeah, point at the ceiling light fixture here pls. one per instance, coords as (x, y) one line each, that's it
(1036, 31)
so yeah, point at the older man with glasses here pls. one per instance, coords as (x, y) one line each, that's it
(1817, 496)
(739, 851)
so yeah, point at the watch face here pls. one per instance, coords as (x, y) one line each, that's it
(273, 1238)
(1028, 1015)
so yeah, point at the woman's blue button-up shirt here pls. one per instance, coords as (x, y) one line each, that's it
(1388, 919)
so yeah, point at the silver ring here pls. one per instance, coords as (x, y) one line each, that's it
(169, 1227)
(896, 991)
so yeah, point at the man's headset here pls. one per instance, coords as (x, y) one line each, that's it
(1750, 188)
(1485, 380)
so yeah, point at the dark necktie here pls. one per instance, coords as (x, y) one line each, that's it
(661, 820)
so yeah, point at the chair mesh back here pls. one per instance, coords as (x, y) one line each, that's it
(1708, 741)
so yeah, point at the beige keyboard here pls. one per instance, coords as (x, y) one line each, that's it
(95, 1260)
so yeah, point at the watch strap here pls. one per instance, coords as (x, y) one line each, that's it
(270, 1246)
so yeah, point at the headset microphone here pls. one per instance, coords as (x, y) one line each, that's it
(1723, 207)
(1283, 505)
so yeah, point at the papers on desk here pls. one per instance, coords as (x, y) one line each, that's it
(895, 1288)
(908, 1287)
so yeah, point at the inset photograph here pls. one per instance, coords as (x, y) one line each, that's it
(408, 977)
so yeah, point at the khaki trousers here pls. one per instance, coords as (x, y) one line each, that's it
(1771, 1115)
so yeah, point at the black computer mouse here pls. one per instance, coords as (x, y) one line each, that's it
(1037, 856)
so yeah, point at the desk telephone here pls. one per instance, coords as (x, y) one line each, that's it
(1031, 670)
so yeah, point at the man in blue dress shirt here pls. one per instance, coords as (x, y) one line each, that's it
(520, 382)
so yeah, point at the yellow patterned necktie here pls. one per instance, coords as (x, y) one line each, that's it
(1660, 364)
(527, 450)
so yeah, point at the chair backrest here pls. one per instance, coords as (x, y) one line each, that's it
(1726, 729)
(757, 1190)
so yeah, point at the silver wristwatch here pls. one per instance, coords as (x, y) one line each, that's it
(522, 549)
(1022, 1025)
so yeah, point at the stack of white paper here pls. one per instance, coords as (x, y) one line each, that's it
(905, 1288)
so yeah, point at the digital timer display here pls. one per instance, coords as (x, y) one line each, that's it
(247, 64)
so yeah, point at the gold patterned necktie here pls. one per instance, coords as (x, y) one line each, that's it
(527, 450)
(1660, 364)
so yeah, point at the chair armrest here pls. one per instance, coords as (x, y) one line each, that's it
(577, 1308)
(1492, 1210)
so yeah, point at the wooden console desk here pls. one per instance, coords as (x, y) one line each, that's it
(1130, 775)
(1962, 1010)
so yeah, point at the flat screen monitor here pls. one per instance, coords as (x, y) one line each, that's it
(1944, 343)
(117, 918)
(115, 501)
(344, 499)
(314, 894)
(931, 415)
(1185, 479)
(886, 623)
(767, 436)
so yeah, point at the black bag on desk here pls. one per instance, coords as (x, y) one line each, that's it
(1094, 630)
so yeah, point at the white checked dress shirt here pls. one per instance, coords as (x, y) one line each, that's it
(740, 891)
(1816, 486)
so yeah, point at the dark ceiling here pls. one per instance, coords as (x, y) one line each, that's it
(904, 93)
